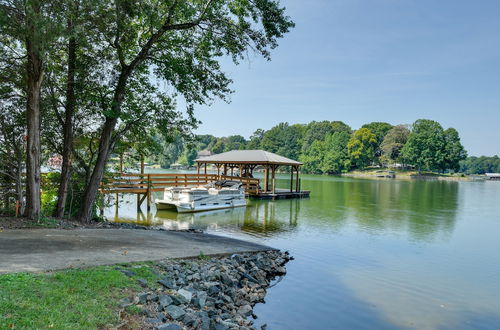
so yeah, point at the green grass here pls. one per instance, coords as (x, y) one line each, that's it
(202, 256)
(46, 223)
(70, 299)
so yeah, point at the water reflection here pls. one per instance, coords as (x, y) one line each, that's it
(258, 218)
(380, 253)
(423, 209)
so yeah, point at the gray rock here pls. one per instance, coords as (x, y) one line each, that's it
(205, 320)
(153, 320)
(164, 301)
(169, 326)
(226, 279)
(186, 294)
(148, 312)
(125, 302)
(142, 282)
(213, 294)
(168, 283)
(221, 326)
(213, 290)
(190, 320)
(201, 299)
(245, 310)
(152, 297)
(225, 316)
(127, 272)
(175, 312)
(143, 297)
(249, 277)
(178, 299)
(212, 313)
(210, 302)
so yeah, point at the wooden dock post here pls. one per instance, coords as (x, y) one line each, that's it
(266, 179)
(297, 181)
(273, 169)
(148, 193)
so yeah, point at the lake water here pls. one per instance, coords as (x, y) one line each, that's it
(370, 254)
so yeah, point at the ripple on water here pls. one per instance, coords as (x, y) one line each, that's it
(371, 254)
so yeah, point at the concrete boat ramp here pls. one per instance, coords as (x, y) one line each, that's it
(37, 250)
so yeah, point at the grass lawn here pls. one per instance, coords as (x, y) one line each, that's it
(70, 299)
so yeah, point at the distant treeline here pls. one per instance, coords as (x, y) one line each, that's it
(332, 147)
(480, 165)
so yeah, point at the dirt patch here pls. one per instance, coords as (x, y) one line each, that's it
(24, 223)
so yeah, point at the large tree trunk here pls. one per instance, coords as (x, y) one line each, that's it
(68, 129)
(19, 185)
(106, 140)
(105, 146)
(34, 84)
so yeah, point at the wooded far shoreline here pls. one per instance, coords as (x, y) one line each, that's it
(332, 147)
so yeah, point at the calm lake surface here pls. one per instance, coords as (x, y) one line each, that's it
(370, 254)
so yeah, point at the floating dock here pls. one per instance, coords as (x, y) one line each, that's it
(143, 185)
(280, 194)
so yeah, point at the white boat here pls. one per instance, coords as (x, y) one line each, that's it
(202, 198)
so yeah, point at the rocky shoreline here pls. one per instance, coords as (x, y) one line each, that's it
(209, 293)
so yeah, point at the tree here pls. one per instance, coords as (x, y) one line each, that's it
(12, 118)
(329, 155)
(480, 165)
(219, 146)
(235, 142)
(361, 147)
(188, 156)
(426, 144)
(204, 141)
(74, 40)
(315, 131)
(313, 157)
(24, 21)
(171, 151)
(283, 139)
(380, 129)
(336, 159)
(394, 141)
(454, 150)
(339, 126)
(256, 139)
(178, 42)
(12, 151)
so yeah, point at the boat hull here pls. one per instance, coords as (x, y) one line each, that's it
(190, 208)
(164, 206)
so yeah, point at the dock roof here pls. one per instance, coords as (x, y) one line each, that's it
(256, 157)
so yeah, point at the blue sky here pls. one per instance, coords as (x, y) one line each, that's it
(374, 60)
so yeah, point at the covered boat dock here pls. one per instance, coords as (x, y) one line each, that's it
(239, 165)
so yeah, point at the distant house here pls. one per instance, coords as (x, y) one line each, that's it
(55, 162)
(204, 153)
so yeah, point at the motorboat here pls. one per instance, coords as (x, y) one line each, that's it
(221, 195)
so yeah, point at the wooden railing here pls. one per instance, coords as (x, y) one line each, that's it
(146, 183)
